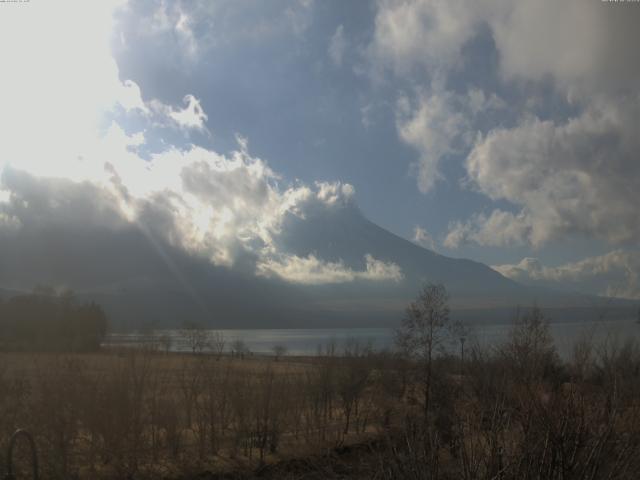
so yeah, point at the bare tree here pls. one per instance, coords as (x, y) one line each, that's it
(218, 342)
(530, 349)
(424, 331)
(196, 337)
(239, 348)
(165, 341)
(352, 379)
(279, 351)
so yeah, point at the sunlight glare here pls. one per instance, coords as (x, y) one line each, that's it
(58, 64)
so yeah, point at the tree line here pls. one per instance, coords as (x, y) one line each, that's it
(46, 320)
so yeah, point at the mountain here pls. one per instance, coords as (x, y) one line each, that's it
(142, 282)
(345, 234)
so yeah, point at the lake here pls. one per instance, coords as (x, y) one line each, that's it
(307, 341)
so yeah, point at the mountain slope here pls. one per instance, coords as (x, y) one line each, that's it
(140, 281)
(345, 234)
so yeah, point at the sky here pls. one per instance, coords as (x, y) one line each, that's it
(505, 132)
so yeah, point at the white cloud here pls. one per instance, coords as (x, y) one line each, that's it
(439, 123)
(424, 34)
(223, 209)
(527, 268)
(379, 270)
(423, 238)
(422, 39)
(435, 128)
(333, 193)
(616, 273)
(478, 101)
(573, 175)
(306, 270)
(576, 177)
(337, 46)
(312, 271)
(184, 30)
(192, 116)
(499, 229)
(597, 52)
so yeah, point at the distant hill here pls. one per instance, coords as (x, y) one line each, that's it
(139, 282)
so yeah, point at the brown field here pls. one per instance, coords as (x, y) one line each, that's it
(513, 412)
(123, 413)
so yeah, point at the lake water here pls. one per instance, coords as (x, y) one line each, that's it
(308, 341)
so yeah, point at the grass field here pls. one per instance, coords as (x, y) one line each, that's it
(513, 411)
(129, 412)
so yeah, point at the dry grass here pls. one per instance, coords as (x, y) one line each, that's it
(513, 412)
(144, 414)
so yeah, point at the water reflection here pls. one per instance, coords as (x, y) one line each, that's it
(307, 341)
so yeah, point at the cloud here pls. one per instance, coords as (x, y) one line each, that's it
(379, 270)
(184, 31)
(597, 53)
(479, 102)
(51, 72)
(188, 32)
(85, 175)
(616, 273)
(192, 116)
(440, 123)
(298, 14)
(575, 177)
(421, 40)
(499, 229)
(566, 169)
(421, 34)
(423, 238)
(435, 128)
(332, 193)
(313, 271)
(171, 20)
(224, 210)
(337, 46)
(40, 201)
